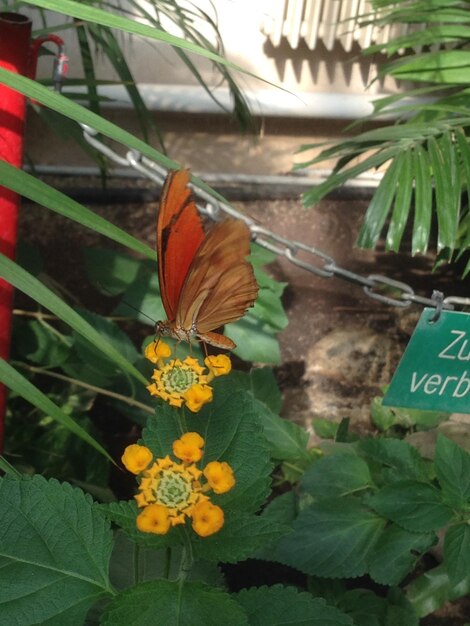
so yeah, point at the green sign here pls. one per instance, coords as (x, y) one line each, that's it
(434, 372)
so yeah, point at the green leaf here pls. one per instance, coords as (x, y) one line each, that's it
(54, 553)
(432, 590)
(20, 385)
(325, 428)
(241, 537)
(282, 606)
(37, 341)
(452, 465)
(230, 426)
(447, 211)
(415, 506)
(423, 201)
(396, 553)
(20, 279)
(166, 602)
(402, 203)
(287, 441)
(93, 367)
(41, 193)
(109, 271)
(385, 417)
(380, 204)
(332, 539)
(261, 382)
(131, 564)
(256, 341)
(400, 459)
(449, 67)
(335, 476)
(369, 609)
(457, 552)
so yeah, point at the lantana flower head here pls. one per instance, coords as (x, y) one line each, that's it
(184, 381)
(170, 492)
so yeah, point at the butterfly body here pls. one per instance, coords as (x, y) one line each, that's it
(205, 280)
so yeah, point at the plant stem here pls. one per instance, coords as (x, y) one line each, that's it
(136, 563)
(50, 316)
(80, 383)
(187, 558)
(167, 563)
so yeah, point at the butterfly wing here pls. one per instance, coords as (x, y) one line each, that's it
(179, 236)
(220, 285)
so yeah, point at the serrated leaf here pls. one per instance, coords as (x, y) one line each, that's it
(286, 606)
(54, 553)
(396, 553)
(166, 602)
(452, 465)
(287, 441)
(332, 539)
(399, 457)
(261, 383)
(241, 536)
(336, 476)
(230, 426)
(415, 506)
(457, 552)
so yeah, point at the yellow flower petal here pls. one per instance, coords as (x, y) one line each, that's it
(219, 476)
(157, 350)
(197, 397)
(218, 365)
(154, 519)
(136, 458)
(207, 518)
(189, 447)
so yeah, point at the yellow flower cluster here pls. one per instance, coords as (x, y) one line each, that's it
(184, 382)
(170, 492)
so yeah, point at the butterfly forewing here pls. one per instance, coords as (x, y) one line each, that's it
(179, 235)
(205, 280)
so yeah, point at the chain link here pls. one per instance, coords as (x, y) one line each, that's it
(377, 287)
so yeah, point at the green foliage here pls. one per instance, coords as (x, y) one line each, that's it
(392, 418)
(183, 603)
(230, 425)
(55, 550)
(280, 605)
(426, 151)
(374, 507)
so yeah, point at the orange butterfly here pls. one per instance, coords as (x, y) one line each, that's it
(205, 281)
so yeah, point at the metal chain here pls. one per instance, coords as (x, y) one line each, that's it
(322, 264)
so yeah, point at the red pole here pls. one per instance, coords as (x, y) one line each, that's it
(15, 36)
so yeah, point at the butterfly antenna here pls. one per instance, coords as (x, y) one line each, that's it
(131, 306)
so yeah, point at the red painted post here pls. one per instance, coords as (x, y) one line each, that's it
(15, 36)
